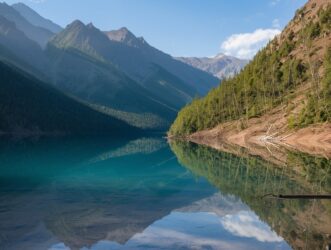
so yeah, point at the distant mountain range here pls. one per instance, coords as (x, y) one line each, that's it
(221, 66)
(113, 73)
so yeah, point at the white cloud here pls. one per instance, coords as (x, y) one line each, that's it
(276, 23)
(201, 230)
(179, 231)
(247, 224)
(245, 45)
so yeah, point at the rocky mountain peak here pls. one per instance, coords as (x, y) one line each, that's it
(123, 35)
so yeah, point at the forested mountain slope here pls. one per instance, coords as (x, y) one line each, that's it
(29, 106)
(293, 72)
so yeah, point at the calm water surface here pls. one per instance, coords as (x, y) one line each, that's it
(99, 194)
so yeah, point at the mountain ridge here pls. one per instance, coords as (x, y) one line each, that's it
(221, 65)
(37, 34)
(34, 18)
(125, 36)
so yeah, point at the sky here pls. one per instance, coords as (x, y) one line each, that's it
(181, 27)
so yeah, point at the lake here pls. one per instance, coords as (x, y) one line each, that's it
(96, 193)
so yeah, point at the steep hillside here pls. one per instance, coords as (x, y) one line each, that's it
(28, 106)
(35, 19)
(221, 66)
(37, 34)
(290, 76)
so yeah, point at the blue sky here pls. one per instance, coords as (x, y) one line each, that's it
(181, 27)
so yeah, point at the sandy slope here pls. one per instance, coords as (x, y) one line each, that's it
(268, 130)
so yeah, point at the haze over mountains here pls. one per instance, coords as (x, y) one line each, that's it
(17, 42)
(35, 33)
(221, 66)
(35, 19)
(112, 72)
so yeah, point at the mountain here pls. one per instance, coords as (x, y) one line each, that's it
(135, 56)
(123, 35)
(79, 66)
(84, 38)
(286, 86)
(113, 72)
(29, 106)
(80, 72)
(37, 34)
(120, 74)
(36, 19)
(139, 60)
(221, 66)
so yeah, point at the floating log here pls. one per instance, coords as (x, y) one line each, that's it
(299, 196)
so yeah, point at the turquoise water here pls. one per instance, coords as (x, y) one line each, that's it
(95, 193)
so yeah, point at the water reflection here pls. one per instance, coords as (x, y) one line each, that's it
(142, 146)
(95, 193)
(303, 224)
(232, 225)
(52, 193)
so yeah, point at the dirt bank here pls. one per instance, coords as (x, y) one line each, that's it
(268, 131)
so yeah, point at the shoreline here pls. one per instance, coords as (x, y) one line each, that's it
(314, 140)
(268, 131)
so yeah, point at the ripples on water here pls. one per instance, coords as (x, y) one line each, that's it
(101, 194)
